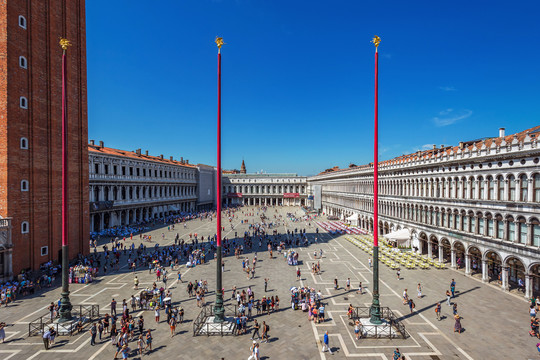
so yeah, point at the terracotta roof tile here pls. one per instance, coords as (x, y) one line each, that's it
(134, 155)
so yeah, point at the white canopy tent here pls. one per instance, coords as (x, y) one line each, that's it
(401, 237)
(353, 219)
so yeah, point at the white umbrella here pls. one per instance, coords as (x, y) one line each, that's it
(167, 299)
(294, 288)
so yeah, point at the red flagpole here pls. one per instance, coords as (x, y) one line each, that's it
(219, 309)
(65, 304)
(218, 192)
(376, 158)
(64, 156)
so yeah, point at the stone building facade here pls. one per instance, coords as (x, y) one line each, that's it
(128, 187)
(475, 205)
(30, 128)
(264, 189)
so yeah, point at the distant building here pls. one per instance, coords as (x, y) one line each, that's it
(128, 187)
(475, 205)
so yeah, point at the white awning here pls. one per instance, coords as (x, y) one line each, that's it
(353, 217)
(400, 235)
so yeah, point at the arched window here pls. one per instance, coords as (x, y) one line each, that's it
(536, 187)
(466, 193)
(24, 143)
(511, 188)
(23, 102)
(535, 232)
(480, 224)
(511, 228)
(499, 227)
(465, 222)
(472, 220)
(473, 188)
(500, 182)
(22, 62)
(490, 228)
(523, 194)
(25, 227)
(24, 185)
(491, 188)
(481, 186)
(522, 231)
(22, 21)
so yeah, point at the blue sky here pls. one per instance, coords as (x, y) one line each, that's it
(297, 83)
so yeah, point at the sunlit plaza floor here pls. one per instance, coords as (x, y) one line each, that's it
(495, 323)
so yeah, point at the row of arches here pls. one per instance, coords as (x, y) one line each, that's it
(108, 219)
(264, 189)
(499, 187)
(129, 192)
(508, 270)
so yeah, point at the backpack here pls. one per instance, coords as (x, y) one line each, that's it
(267, 328)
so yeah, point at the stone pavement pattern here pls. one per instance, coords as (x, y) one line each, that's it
(495, 323)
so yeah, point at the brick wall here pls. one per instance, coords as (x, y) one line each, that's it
(41, 163)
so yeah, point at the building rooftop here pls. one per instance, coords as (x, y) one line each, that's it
(533, 133)
(137, 155)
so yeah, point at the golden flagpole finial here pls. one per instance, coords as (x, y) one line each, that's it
(64, 43)
(219, 42)
(376, 41)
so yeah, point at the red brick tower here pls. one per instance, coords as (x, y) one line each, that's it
(30, 127)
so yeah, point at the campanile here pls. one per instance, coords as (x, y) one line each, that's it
(30, 128)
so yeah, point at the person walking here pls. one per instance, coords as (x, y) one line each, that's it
(411, 305)
(298, 273)
(265, 330)
(93, 333)
(326, 345)
(457, 324)
(398, 273)
(448, 295)
(369, 261)
(136, 283)
(357, 329)
(256, 328)
(265, 284)
(348, 284)
(254, 351)
(438, 311)
(405, 297)
(2, 332)
(113, 307)
(419, 290)
(453, 288)
(47, 338)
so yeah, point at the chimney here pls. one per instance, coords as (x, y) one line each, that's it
(92, 142)
(187, 161)
(161, 156)
(442, 146)
(182, 159)
(434, 146)
(501, 132)
(461, 145)
(146, 153)
(171, 158)
(101, 145)
(138, 152)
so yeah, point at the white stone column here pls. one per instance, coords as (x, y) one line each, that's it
(504, 278)
(453, 257)
(529, 234)
(441, 253)
(484, 270)
(467, 264)
(528, 286)
(429, 248)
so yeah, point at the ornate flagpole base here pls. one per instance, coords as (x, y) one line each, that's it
(65, 304)
(219, 309)
(375, 309)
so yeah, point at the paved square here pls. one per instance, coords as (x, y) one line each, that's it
(495, 323)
